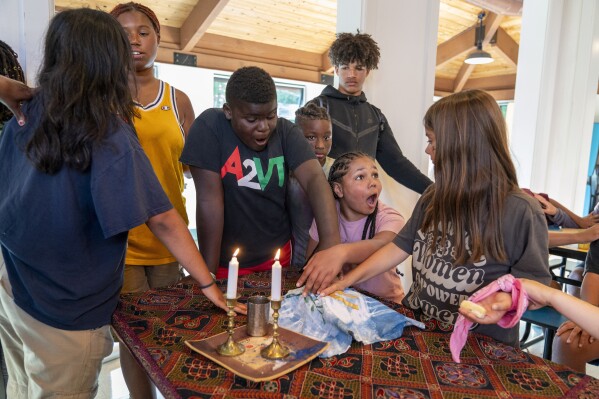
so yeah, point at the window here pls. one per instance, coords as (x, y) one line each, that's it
(290, 97)
(220, 84)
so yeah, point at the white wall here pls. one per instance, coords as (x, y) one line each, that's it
(403, 86)
(556, 91)
(23, 25)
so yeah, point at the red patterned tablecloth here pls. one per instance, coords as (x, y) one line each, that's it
(155, 325)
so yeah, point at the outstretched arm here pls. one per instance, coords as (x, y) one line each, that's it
(349, 253)
(539, 295)
(12, 93)
(310, 176)
(171, 230)
(582, 222)
(382, 260)
(575, 236)
(394, 162)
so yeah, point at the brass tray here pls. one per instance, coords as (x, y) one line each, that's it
(250, 364)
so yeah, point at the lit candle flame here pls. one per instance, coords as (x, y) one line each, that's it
(278, 253)
(236, 252)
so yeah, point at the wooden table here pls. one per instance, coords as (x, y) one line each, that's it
(569, 251)
(155, 324)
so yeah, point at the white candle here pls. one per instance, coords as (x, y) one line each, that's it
(275, 286)
(232, 280)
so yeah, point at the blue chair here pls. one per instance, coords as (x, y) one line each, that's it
(547, 318)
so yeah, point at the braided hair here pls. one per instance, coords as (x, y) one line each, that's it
(311, 112)
(9, 67)
(131, 6)
(339, 169)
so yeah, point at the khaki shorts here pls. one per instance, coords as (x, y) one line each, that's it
(44, 361)
(143, 278)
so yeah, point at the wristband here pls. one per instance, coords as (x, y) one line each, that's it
(210, 284)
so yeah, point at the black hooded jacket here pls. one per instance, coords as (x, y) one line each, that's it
(360, 126)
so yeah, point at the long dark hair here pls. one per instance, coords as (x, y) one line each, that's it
(83, 88)
(474, 174)
(339, 168)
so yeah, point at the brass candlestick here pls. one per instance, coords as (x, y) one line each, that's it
(230, 347)
(275, 350)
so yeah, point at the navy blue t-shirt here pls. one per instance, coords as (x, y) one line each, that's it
(254, 183)
(64, 236)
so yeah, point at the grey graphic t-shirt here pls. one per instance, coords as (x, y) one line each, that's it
(440, 285)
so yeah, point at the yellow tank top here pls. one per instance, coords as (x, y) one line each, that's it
(162, 138)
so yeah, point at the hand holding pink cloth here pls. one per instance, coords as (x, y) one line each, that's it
(507, 283)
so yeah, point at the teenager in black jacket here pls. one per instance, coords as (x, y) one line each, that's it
(357, 124)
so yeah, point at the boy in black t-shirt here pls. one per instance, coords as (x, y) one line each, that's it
(240, 159)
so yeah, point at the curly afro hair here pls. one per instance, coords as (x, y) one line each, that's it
(252, 85)
(359, 47)
(310, 112)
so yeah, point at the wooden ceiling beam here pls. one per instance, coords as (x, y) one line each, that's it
(504, 7)
(228, 54)
(249, 48)
(326, 66)
(498, 95)
(227, 63)
(498, 82)
(198, 22)
(501, 87)
(464, 42)
(459, 44)
(462, 77)
(507, 47)
(238, 48)
(491, 22)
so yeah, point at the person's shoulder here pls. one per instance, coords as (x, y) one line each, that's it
(519, 200)
(375, 108)
(285, 125)
(286, 130)
(212, 115)
(211, 120)
(119, 143)
(122, 134)
(328, 93)
(181, 98)
(387, 210)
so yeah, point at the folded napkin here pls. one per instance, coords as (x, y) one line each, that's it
(341, 317)
(507, 283)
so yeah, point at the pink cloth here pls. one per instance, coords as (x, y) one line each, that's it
(507, 283)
